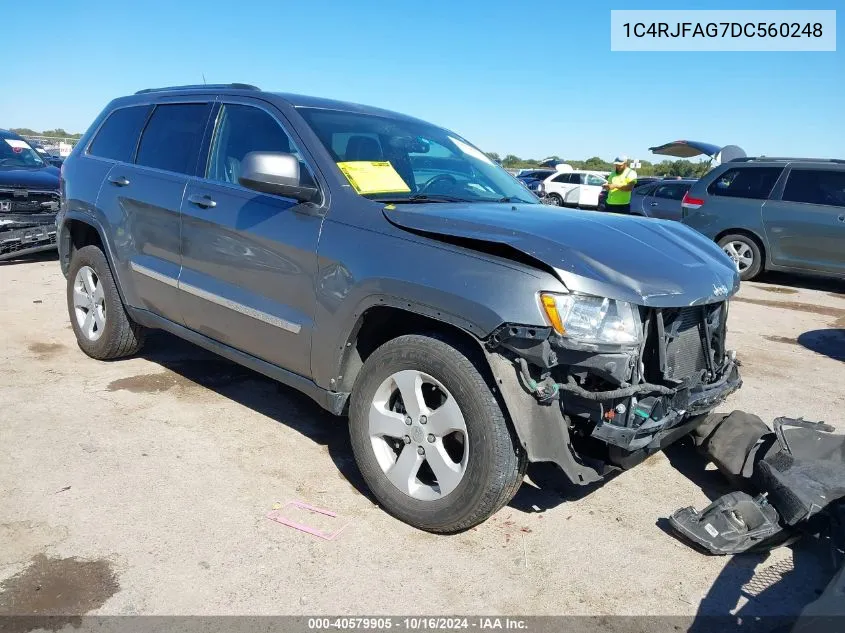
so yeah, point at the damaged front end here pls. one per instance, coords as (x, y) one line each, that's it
(594, 406)
(27, 221)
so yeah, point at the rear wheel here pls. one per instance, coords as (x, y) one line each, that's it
(103, 329)
(429, 436)
(746, 254)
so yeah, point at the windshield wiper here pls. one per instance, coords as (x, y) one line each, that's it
(420, 198)
(511, 199)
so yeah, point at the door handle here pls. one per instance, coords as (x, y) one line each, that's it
(654, 204)
(842, 218)
(120, 181)
(203, 202)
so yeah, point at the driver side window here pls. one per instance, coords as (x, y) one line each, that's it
(242, 129)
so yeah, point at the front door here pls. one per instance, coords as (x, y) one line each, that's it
(249, 259)
(805, 223)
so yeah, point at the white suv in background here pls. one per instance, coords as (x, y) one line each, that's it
(576, 188)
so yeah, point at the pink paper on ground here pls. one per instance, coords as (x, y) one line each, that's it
(276, 515)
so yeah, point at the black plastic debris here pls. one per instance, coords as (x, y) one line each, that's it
(733, 523)
(797, 472)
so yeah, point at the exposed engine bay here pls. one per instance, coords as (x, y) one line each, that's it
(620, 404)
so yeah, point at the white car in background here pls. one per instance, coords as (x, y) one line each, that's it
(576, 188)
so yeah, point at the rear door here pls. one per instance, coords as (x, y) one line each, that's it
(805, 220)
(560, 184)
(147, 194)
(590, 190)
(665, 202)
(249, 259)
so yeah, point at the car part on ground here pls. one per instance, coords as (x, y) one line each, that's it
(408, 258)
(29, 199)
(798, 469)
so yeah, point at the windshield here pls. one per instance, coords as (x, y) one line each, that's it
(398, 160)
(15, 152)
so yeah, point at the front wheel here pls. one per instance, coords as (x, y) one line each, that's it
(429, 436)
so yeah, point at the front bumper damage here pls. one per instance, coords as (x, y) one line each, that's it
(27, 221)
(594, 410)
(25, 234)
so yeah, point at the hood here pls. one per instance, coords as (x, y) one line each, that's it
(644, 261)
(38, 178)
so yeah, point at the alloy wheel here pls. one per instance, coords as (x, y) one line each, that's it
(418, 435)
(740, 253)
(89, 303)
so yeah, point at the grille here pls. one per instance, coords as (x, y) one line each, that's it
(34, 202)
(685, 354)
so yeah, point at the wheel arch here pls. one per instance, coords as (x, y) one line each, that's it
(77, 231)
(385, 319)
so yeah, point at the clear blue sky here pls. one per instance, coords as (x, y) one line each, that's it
(513, 77)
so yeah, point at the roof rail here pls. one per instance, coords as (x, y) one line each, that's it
(782, 159)
(200, 87)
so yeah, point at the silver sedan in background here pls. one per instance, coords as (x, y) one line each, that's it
(660, 199)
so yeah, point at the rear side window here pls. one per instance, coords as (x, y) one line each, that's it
(118, 136)
(747, 182)
(816, 186)
(645, 190)
(594, 180)
(674, 191)
(173, 136)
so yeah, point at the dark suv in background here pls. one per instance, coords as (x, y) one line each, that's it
(29, 198)
(785, 214)
(390, 270)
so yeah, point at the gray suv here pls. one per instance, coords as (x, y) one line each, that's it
(784, 214)
(391, 271)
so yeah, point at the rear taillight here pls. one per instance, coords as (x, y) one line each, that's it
(691, 203)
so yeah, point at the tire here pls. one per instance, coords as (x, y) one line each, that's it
(493, 467)
(110, 333)
(746, 253)
(554, 200)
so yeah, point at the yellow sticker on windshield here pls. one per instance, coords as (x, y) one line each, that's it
(367, 176)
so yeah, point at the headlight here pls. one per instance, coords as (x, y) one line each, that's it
(594, 320)
(539, 187)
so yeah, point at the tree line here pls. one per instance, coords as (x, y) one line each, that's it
(682, 168)
(58, 132)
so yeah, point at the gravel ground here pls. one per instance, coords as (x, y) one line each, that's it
(141, 487)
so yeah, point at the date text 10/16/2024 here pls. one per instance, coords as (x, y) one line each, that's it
(416, 623)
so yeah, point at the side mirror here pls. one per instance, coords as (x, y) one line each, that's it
(276, 173)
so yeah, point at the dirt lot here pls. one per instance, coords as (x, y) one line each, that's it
(141, 486)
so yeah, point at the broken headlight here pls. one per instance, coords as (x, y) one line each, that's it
(595, 320)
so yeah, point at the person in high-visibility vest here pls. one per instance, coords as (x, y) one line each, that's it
(619, 186)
